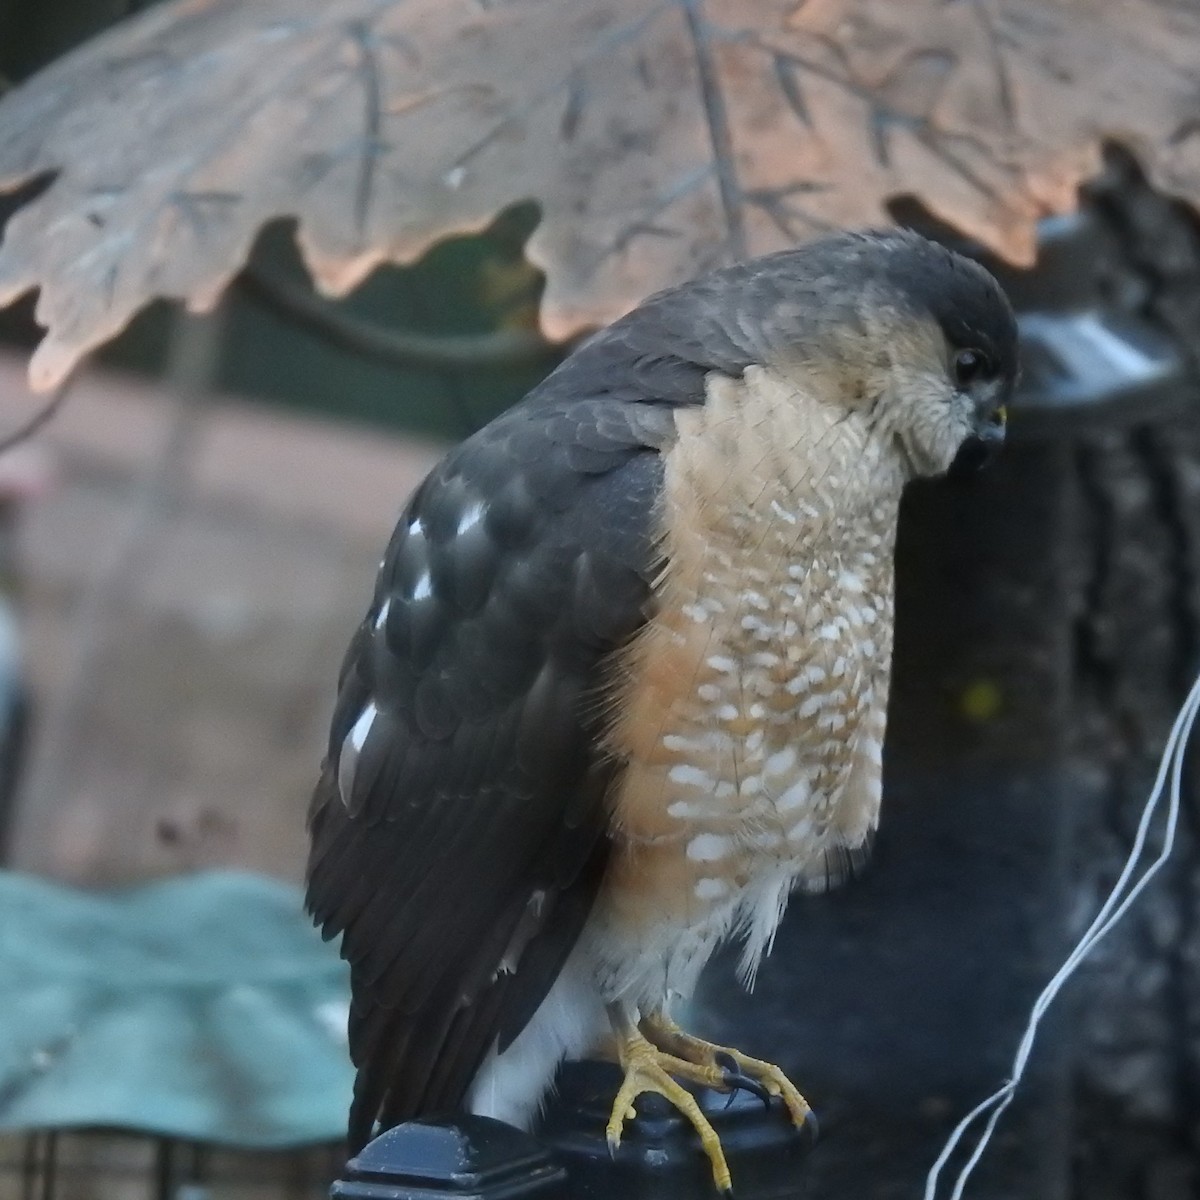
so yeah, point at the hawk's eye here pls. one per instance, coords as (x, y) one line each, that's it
(970, 365)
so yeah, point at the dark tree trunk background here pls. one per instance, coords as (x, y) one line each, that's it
(1048, 628)
(1136, 585)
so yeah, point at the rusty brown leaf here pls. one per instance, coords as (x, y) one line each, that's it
(658, 137)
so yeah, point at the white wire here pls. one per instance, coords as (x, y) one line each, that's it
(1115, 906)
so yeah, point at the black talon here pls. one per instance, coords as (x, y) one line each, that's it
(726, 1062)
(734, 1081)
(811, 1129)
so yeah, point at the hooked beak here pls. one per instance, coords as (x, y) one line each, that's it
(983, 444)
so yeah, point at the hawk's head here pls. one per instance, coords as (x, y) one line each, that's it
(945, 341)
(919, 340)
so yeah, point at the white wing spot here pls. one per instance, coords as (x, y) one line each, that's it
(801, 830)
(710, 888)
(351, 749)
(781, 762)
(424, 588)
(470, 518)
(708, 847)
(357, 737)
(794, 797)
(690, 776)
(678, 744)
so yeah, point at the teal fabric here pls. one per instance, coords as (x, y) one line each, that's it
(204, 1007)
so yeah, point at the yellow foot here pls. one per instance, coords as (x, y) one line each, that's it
(731, 1067)
(648, 1069)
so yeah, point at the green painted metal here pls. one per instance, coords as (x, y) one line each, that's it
(204, 1007)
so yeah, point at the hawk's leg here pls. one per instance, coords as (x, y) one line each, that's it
(735, 1068)
(649, 1069)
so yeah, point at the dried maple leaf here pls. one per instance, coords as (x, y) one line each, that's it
(658, 137)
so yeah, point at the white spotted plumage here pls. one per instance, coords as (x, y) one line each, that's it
(765, 756)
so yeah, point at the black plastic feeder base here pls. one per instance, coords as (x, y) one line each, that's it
(465, 1157)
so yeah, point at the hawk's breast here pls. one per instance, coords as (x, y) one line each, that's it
(752, 704)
